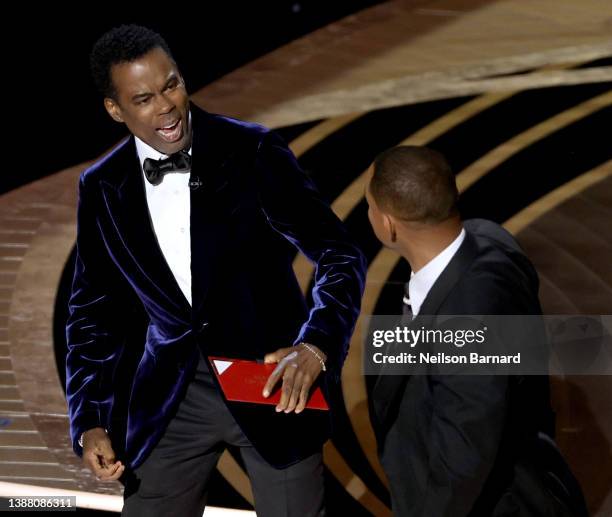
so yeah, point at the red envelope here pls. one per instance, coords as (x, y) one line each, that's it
(244, 381)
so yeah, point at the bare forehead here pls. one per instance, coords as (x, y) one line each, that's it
(152, 70)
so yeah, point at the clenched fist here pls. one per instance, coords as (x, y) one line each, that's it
(99, 457)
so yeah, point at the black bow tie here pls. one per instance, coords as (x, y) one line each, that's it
(155, 169)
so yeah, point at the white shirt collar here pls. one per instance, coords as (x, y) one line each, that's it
(423, 280)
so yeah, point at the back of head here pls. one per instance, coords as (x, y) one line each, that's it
(414, 184)
(122, 44)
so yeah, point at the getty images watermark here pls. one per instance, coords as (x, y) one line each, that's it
(488, 345)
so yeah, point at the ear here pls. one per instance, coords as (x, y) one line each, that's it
(113, 109)
(389, 223)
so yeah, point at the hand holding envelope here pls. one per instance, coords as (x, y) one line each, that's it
(299, 368)
(250, 381)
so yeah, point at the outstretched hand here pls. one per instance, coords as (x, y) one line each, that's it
(299, 369)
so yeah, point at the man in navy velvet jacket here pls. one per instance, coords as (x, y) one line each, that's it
(200, 238)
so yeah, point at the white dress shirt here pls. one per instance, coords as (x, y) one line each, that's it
(423, 280)
(169, 207)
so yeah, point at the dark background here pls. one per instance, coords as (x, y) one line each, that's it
(53, 116)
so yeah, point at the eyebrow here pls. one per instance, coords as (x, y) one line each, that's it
(138, 96)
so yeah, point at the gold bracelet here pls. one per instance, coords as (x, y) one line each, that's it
(316, 354)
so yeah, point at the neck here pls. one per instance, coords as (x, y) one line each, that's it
(420, 243)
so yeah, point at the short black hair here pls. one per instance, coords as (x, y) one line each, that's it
(414, 184)
(122, 44)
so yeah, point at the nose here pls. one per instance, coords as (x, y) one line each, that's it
(165, 104)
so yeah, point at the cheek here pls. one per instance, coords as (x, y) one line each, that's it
(371, 216)
(376, 222)
(139, 119)
(180, 97)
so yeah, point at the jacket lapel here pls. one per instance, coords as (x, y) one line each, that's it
(388, 387)
(211, 203)
(124, 193)
(453, 272)
(125, 197)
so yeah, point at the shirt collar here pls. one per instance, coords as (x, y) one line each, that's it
(423, 280)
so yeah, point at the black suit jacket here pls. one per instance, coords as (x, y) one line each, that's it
(475, 445)
(256, 206)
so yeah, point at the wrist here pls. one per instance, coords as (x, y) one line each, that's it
(317, 353)
(80, 440)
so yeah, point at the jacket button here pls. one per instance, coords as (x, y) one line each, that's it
(203, 326)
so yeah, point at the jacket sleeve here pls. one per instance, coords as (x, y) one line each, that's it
(294, 208)
(94, 332)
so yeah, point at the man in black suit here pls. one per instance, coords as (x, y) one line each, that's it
(460, 445)
(196, 216)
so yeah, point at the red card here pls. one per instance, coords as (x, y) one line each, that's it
(244, 381)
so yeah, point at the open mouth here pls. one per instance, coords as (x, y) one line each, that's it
(171, 133)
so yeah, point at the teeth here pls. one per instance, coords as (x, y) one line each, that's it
(170, 133)
(171, 125)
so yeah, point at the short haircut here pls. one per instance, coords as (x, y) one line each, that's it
(414, 184)
(122, 44)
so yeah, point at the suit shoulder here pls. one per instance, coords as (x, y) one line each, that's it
(238, 132)
(500, 260)
(104, 166)
(241, 126)
(500, 280)
(249, 135)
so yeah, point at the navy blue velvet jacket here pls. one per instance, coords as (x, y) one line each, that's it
(246, 300)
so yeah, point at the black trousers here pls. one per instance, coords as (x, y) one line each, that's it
(173, 479)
